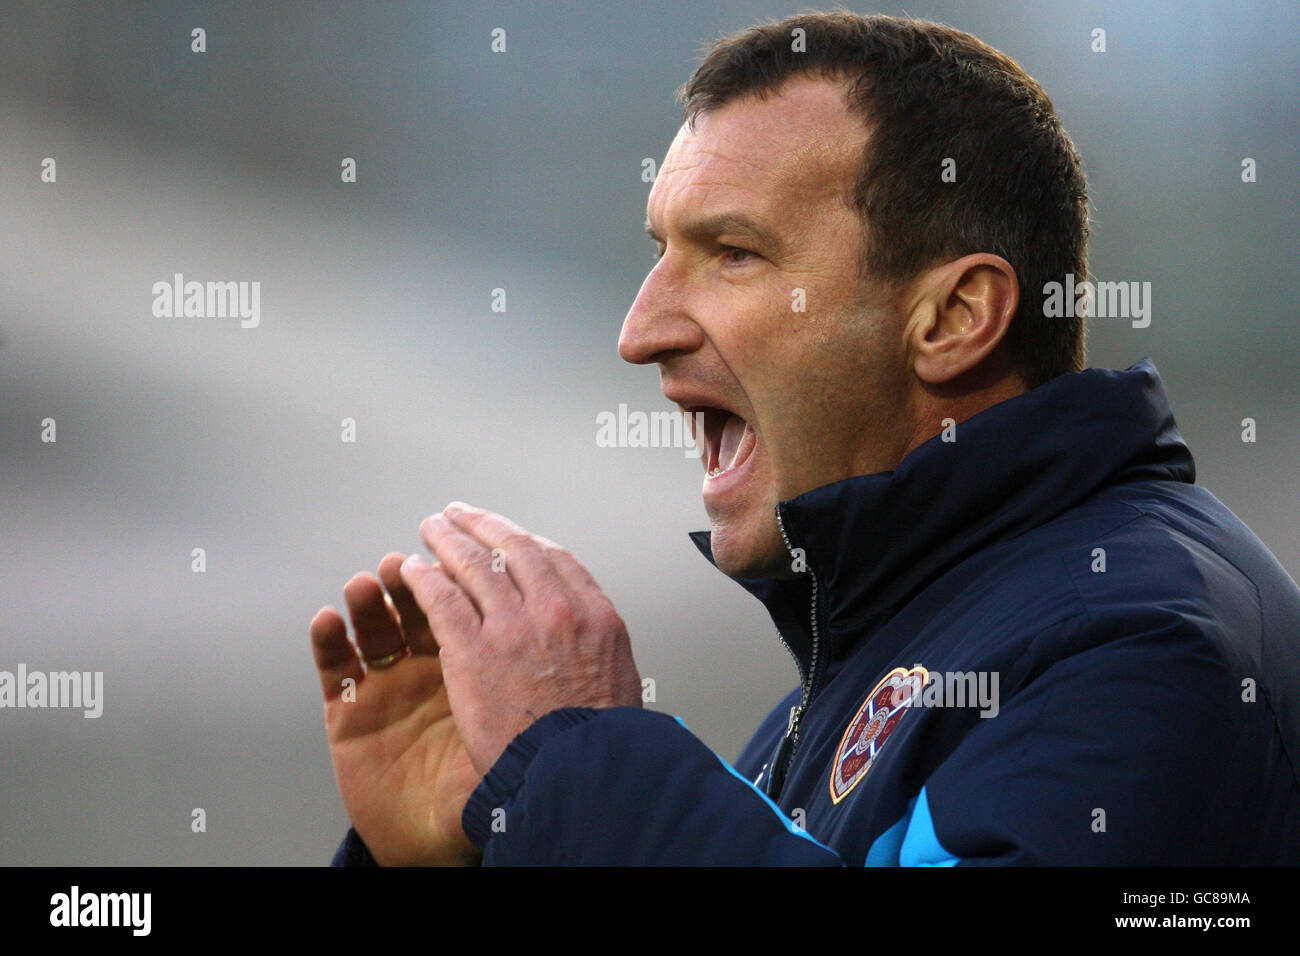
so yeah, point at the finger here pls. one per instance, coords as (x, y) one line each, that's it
(512, 548)
(415, 626)
(451, 614)
(373, 618)
(570, 568)
(469, 564)
(336, 658)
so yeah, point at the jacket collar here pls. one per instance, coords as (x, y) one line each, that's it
(875, 541)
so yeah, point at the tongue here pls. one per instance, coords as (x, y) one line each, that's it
(732, 432)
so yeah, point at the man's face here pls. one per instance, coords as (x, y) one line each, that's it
(757, 317)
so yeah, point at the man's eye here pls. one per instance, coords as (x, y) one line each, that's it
(737, 254)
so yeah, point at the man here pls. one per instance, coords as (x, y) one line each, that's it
(1023, 634)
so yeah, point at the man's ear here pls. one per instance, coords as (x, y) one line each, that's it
(959, 312)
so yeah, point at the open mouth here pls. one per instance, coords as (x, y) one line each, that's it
(729, 439)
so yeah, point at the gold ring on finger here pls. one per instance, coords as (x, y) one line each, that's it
(388, 660)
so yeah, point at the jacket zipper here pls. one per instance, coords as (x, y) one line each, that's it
(784, 755)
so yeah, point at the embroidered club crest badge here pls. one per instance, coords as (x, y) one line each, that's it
(872, 725)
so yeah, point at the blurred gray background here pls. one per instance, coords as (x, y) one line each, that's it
(476, 170)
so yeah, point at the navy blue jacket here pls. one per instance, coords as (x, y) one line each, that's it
(1138, 648)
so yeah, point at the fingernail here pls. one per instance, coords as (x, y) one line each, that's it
(455, 508)
(413, 563)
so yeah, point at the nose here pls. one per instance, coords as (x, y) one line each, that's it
(659, 324)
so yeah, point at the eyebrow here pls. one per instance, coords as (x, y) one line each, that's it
(723, 223)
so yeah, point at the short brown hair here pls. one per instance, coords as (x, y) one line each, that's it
(935, 94)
